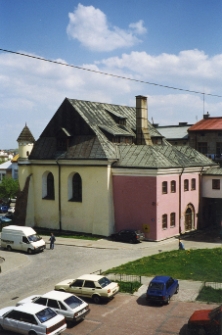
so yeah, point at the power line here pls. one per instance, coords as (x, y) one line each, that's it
(109, 74)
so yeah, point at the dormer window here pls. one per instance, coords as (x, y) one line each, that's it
(62, 139)
(118, 118)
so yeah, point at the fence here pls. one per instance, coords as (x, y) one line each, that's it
(214, 285)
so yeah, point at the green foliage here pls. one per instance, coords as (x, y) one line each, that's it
(9, 188)
(128, 287)
(200, 264)
(209, 294)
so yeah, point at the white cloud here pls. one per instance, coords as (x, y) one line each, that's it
(138, 27)
(90, 27)
(31, 90)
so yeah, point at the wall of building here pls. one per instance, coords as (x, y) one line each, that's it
(94, 215)
(135, 203)
(207, 190)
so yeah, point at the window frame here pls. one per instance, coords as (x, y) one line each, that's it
(164, 187)
(193, 184)
(164, 221)
(173, 186)
(172, 219)
(186, 185)
(215, 184)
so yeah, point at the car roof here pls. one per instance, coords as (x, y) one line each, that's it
(56, 295)
(30, 308)
(90, 276)
(160, 278)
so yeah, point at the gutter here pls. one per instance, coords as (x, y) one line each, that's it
(59, 194)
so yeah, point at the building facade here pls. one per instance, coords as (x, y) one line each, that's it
(99, 168)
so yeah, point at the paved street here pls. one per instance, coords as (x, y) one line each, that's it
(23, 275)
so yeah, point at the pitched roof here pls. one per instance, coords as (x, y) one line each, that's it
(84, 124)
(174, 132)
(26, 135)
(210, 123)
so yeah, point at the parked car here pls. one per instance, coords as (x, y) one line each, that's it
(11, 210)
(4, 208)
(32, 319)
(161, 289)
(5, 219)
(206, 321)
(67, 304)
(128, 235)
(91, 286)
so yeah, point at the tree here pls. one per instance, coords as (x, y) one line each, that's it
(9, 188)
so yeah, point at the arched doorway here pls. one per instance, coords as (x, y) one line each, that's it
(189, 218)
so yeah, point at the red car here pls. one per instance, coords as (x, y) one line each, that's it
(206, 322)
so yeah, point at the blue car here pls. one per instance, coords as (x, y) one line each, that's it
(4, 208)
(161, 289)
(4, 219)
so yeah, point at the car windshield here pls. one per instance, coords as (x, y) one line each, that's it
(216, 311)
(45, 315)
(104, 282)
(34, 238)
(156, 286)
(73, 302)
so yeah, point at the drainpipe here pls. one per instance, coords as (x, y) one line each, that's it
(180, 201)
(59, 194)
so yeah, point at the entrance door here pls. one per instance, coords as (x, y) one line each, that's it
(188, 219)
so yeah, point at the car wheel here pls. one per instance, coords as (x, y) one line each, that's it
(29, 251)
(9, 248)
(96, 299)
(131, 241)
(1, 328)
(177, 290)
(32, 332)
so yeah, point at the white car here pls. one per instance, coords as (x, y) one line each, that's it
(90, 286)
(67, 304)
(11, 210)
(32, 319)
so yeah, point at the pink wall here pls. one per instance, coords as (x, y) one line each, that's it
(139, 201)
(135, 203)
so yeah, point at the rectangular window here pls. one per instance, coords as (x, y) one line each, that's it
(186, 185)
(164, 187)
(216, 184)
(172, 219)
(202, 147)
(193, 184)
(219, 148)
(164, 221)
(173, 186)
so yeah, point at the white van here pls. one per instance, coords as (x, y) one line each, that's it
(21, 238)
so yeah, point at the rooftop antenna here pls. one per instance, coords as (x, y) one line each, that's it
(203, 103)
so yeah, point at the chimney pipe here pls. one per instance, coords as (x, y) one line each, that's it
(142, 132)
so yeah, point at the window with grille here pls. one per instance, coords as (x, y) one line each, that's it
(186, 185)
(164, 221)
(193, 184)
(216, 184)
(172, 220)
(202, 147)
(164, 187)
(173, 186)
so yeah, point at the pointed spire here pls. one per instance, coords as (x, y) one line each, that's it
(26, 135)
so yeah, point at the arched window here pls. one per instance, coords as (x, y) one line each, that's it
(76, 188)
(164, 221)
(48, 191)
(50, 186)
(173, 186)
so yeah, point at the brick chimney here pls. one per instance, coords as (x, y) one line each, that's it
(142, 132)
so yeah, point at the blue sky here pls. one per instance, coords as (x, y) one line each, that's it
(169, 42)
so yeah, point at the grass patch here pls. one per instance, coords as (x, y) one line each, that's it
(128, 287)
(200, 264)
(210, 294)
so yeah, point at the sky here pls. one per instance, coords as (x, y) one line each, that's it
(169, 43)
